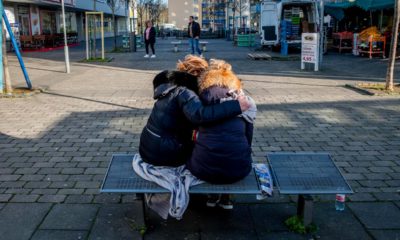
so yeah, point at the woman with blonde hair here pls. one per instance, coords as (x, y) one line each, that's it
(222, 151)
(193, 65)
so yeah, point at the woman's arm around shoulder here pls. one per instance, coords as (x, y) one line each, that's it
(197, 113)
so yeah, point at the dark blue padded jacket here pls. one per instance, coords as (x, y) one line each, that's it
(222, 152)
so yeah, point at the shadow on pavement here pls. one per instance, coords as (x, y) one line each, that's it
(71, 157)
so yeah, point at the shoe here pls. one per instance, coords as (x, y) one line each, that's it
(153, 56)
(212, 201)
(225, 204)
(146, 56)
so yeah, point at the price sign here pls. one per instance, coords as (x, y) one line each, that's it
(309, 49)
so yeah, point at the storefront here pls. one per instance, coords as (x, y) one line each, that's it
(39, 24)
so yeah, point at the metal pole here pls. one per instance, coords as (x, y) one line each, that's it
(1, 49)
(102, 36)
(322, 35)
(17, 52)
(87, 35)
(66, 52)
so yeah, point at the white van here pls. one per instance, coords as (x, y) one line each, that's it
(300, 16)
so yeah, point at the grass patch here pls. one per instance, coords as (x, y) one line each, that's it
(379, 88)
(20, 92)
(295, 224)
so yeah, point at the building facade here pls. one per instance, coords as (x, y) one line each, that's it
(213, 14)
(44, 18)
(238, 14)
(180, 11)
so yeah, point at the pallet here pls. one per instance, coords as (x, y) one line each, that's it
(259, 56)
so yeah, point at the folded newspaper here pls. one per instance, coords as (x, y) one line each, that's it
(265, 179)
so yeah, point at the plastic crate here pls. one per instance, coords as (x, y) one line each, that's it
(247, 40)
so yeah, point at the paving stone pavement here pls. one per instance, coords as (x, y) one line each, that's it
(55, 147)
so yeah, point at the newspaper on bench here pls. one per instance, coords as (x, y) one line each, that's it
(265, 179)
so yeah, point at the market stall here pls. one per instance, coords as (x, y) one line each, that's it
(362, 25)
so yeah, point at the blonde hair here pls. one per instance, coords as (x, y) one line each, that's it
(220, 74)
(193, 65)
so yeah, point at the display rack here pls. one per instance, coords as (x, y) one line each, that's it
(342, 41)
(375, 45)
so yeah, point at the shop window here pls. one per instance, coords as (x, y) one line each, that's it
(70, 22)
(48, 22)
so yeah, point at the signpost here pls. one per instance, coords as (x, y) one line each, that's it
(310, 50)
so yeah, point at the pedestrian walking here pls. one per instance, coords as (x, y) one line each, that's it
(150, 39)
(194, 35)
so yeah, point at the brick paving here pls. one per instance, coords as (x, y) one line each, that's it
(55, 146)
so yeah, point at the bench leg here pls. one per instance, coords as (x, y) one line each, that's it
(204, 48)
(305, 209)
(175, 48)
(144, 207)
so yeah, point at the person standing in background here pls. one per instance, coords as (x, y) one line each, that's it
(150, 38)
(194, 35)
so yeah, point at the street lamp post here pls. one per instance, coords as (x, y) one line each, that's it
(66, 51)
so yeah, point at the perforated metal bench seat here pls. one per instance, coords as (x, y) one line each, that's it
(120, 178)
(294, 173)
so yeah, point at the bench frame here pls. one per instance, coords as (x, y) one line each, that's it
(304, 203)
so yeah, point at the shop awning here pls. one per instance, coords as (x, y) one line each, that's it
(375, 4)
(367, 5)
(337, 13)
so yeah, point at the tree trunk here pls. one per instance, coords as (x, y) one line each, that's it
(240, 14)
(115, 31)
(233, 23)
(393, 47)
(6, 72)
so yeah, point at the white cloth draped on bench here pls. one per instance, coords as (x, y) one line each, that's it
(177, 180)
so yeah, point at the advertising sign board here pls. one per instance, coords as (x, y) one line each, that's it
(310, 50)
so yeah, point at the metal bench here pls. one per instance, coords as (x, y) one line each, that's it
(295, 173)
(176, 45)
(306, 174)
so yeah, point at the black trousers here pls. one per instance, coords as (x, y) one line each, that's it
(147, 43)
